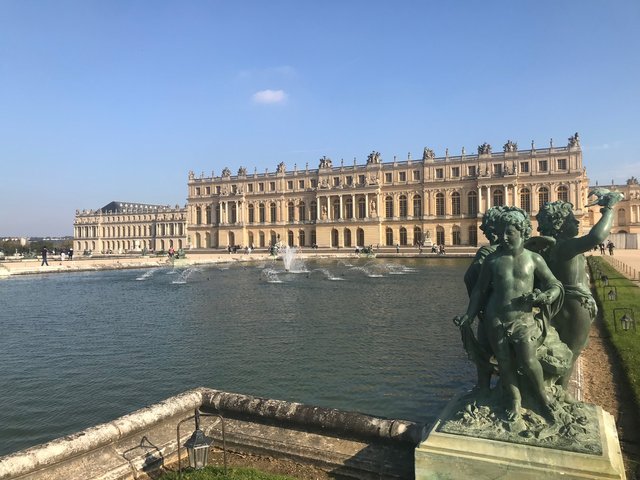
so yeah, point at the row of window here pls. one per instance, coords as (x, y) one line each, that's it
(498, 198)
(161, 229)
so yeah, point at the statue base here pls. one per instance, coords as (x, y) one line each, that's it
(449, 456)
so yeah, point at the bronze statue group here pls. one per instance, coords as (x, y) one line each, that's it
(534, 307)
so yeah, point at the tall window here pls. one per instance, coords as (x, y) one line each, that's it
(563, 193)
(262, 241)
(314, 211)
(440, 235)
(301, 238)
(362, 204)
(403, 206)
(417, 206)
(455, 203)
(403, 236)
(455, 235)
(234, 213)
(543, 197)
(251, 214)
(440, 204)
(472, 203)
(290, 238)
(348, 208)
(360, 237)
(389, 236)
(388, 207)
(291, 211)
(302, 212)
(473, 235)
(198, 217)
(347, 237)
(336, 209)
(417, 236)
(525, 200)
(272, 212)
(498, 197)
(261, 213)
(335, 238)
(208, 214)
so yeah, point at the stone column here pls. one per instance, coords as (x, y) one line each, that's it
(341, 207)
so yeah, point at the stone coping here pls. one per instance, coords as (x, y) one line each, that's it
(58, 454)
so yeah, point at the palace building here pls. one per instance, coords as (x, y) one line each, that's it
(121, 227)
(423, 201)
(431, 200)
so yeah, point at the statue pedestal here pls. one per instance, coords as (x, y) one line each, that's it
(445, 456)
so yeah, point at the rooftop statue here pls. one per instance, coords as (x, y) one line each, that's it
(484, 149)
(242, 172)
(325, 162)
(226, 172)
(574, 140)
(374, 157)
(281, 168)
(428, 154)
(510, 147)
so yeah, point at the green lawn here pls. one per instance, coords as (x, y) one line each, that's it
(217, 473)
(627, 343)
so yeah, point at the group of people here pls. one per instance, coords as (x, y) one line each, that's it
(533, 303)
(44, 253)
(610, 246)
(439, 249)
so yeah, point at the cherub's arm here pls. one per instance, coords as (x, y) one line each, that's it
(478, 294)
(552, 286)
(600, 230)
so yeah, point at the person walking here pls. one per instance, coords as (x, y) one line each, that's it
(610, 246)
(44, 252)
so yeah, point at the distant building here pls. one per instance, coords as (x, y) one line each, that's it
(439, 200)
(626, 215)
(121, 227)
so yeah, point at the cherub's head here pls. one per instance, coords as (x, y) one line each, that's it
(489, 224)
(516, 217)
(556, 219)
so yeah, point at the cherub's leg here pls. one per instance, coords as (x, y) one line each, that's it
(508, 378)
(526, 354)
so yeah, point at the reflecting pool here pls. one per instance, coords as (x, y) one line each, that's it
(373, 336)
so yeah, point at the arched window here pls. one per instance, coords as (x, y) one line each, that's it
(417, 236)
(261, 239)
(348, 208)
(291, 210)
(389, 236)
(498, 197)
(232, 239)
(302, 212)
(218, 216)
(417, 206)
(290, 238)
(455, 203)
(198, 215)
(314, 211)
(261, 214)
(336, 209)
(439, 203)
(360, 237)
(250, 211)
(347, 237)
(388, 207)
(361, 207)
(274, 238)
(234, 213)
(455, 235)
(622, 217)
(250, 239)
(473, 235)
(335, 240)
(440, 235)
(525, 200)
(301, 238)
(403, 206)
(314, 240)
(208, 214)
(403, 236)
(543, 197)
(563, 193)
(272, 212)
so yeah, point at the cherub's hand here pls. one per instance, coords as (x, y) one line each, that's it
(461, 320)
(541, 298)
(604, 197)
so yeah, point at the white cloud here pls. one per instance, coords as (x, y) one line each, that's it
(269, 96)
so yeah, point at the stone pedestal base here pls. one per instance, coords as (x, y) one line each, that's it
(444, 456)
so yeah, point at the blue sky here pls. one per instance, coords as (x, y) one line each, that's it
(118, 100)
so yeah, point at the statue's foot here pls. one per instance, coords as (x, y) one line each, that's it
(549, 410)
(514, 412)
(568, 398)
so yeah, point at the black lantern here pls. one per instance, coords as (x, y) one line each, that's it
(625, 322)
(624, 319)
(613, 294)
(198, 446)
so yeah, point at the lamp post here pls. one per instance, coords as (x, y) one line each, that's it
(624, 319)
(625, 322)
(198, 444)
(613, 294)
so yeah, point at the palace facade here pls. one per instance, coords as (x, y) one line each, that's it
(431, 200)
(121, 227)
